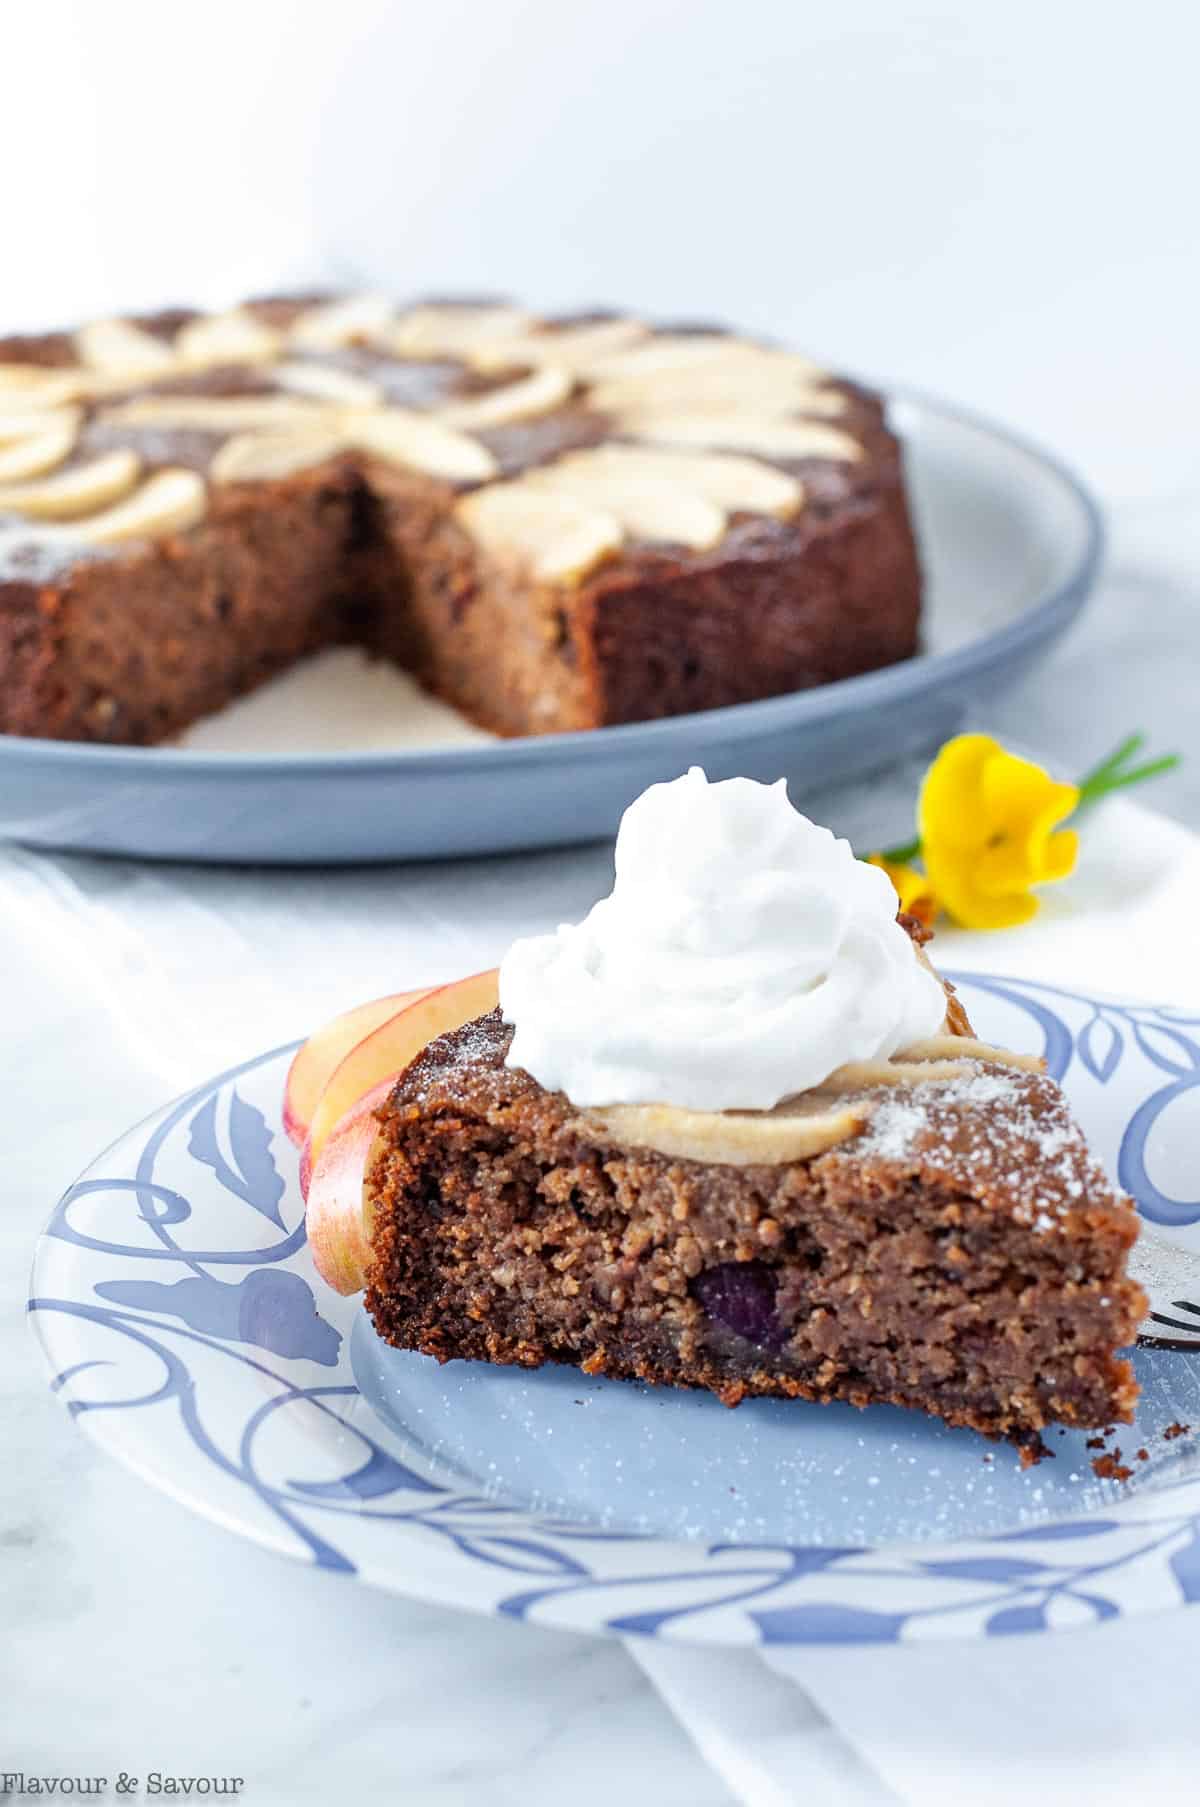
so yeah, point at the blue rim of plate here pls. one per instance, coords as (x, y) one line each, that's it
(1141, 1552)
(894, 683)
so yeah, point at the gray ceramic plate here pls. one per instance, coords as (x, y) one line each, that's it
(1010, 543)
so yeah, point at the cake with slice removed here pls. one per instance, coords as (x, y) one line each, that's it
(917, 1220)
(551, 524)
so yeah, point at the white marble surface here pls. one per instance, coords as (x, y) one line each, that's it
(135, 1636)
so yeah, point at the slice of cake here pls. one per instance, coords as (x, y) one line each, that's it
(732, 1132)
(552, 524)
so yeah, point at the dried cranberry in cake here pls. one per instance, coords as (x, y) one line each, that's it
(740, 1296)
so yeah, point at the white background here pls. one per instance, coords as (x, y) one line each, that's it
(996, 202)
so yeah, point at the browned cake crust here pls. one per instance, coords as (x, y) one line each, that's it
(133, 642)
(964, 1255)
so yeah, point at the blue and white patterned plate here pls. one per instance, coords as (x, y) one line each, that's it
(189, 1335)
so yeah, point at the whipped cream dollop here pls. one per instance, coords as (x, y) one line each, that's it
(742, 955)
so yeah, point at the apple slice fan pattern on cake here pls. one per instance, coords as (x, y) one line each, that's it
(733, 1132)
(552, 524)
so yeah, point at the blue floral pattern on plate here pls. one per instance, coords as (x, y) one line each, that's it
(188, 1334)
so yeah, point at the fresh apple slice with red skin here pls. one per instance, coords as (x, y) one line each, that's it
(333, 1170)
(390, 1048)
(339, 1234)
(323, 1053)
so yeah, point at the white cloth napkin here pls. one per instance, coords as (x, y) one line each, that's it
(1077, 1719)
(192, 969)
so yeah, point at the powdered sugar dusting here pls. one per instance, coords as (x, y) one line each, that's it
(475, 1044)
(36, 555)
(900, 1119)
(895, 1126)
(1002, 1133)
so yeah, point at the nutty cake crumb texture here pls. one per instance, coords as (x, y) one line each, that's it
(963, 1255)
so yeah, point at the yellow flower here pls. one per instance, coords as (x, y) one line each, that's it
(986, 822)
(912, 888)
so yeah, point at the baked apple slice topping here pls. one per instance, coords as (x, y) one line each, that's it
(220, 413)
(353, 320)
(794, 1131)
(649, 507)
(81, 490)
(574, 347)
(307, 376)
(37, 386)
(739, 430)
(723, 373)
(168, 502)
(731, 481)
(539, 393)
(51, 438)
(454, 330)
(123, 349)
(730, 410)
(401, 436)
(556, 538)
(234, 337)
(562, 519)
(255, 457)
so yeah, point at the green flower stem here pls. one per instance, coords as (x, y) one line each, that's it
(1108, 767)
(903, 856)
(1093, 787)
